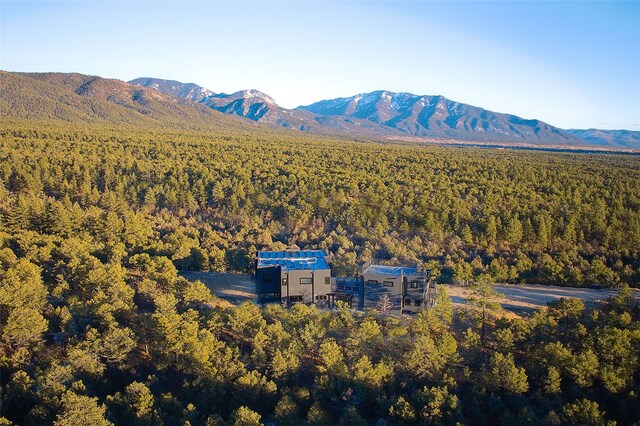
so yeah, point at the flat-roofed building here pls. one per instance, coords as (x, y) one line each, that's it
(293, 276)
(408, 288)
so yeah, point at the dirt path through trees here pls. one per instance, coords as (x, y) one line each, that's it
(522, 298)
(235, 288)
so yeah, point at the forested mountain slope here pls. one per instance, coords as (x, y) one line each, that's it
(77, 98)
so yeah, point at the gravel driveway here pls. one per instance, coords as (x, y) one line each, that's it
(527, 297)
(236, 288)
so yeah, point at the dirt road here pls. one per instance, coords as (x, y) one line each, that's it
(527, 297)
(236, 288)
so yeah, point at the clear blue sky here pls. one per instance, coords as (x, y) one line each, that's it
(573, 64)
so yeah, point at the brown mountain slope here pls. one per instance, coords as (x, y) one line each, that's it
(89, 99)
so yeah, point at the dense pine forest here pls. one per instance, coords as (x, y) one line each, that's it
(207, 202)
(97, 327)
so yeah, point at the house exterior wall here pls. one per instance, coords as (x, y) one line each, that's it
(323, 282)
(319, 285)
(398, 288)
(390, 285)
(414, 294)
(377, 285)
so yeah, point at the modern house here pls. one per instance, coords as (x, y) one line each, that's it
(408, 288)
(293, 276)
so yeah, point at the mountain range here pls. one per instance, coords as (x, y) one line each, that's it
(380, 115)
(390, 115)
(257, 106)
(598, 137)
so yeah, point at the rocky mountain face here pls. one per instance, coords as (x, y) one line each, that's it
(439, 117)
(250, 104)
(189, 91)
(257, 106)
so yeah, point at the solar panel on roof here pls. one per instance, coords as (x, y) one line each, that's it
(303, 259)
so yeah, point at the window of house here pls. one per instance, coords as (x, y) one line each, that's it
(387, 283)
(327, 280)
(306, 280)
(407, 302)
(414, 284)
(372, 282)
(417, 302)
(285, 282)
